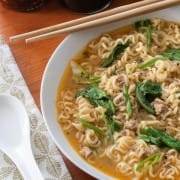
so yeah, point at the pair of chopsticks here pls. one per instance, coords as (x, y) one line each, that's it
(108, 16)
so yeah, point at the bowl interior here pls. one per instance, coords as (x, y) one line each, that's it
(55, 68)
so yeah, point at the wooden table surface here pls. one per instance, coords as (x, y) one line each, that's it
(32, 58)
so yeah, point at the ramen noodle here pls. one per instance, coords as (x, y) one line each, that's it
(120, 107)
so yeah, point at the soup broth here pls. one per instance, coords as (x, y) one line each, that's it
(120, 107)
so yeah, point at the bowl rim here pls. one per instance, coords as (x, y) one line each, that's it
(91, 170)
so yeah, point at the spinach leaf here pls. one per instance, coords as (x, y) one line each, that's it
(114, 54)
(81, 76)
(127, 101)
(143, 101)
(98, 97)
(151, 88)
(146, 27)
(172, 54)
(146, 92)
(89, 125)
(159, 138)
(148, 162)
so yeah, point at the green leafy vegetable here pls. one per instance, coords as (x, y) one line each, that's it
(127, 101)
(146, 27)
(146, 92)
(149, 87)
(143, 101)
(151, 139)
(114, 54)
(81, 76)
(150, 62)
(116, 126)
(98, 97)
(112, 125)
(172, 54)
(142, 23)
(89, 125)
(148, 162)
(159, 138)
(149, 31)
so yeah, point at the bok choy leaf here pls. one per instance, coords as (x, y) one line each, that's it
(81, 76)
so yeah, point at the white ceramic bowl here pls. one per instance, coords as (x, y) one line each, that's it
(54, 71)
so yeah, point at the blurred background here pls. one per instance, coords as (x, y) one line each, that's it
(83, 6)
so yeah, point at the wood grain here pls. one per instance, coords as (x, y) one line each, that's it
(32, 58)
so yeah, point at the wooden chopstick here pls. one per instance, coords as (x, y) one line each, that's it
(112, 18)
(81, 20)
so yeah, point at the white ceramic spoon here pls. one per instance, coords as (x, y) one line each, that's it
(15, 137)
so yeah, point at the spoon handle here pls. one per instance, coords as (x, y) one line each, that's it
(25, 162)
